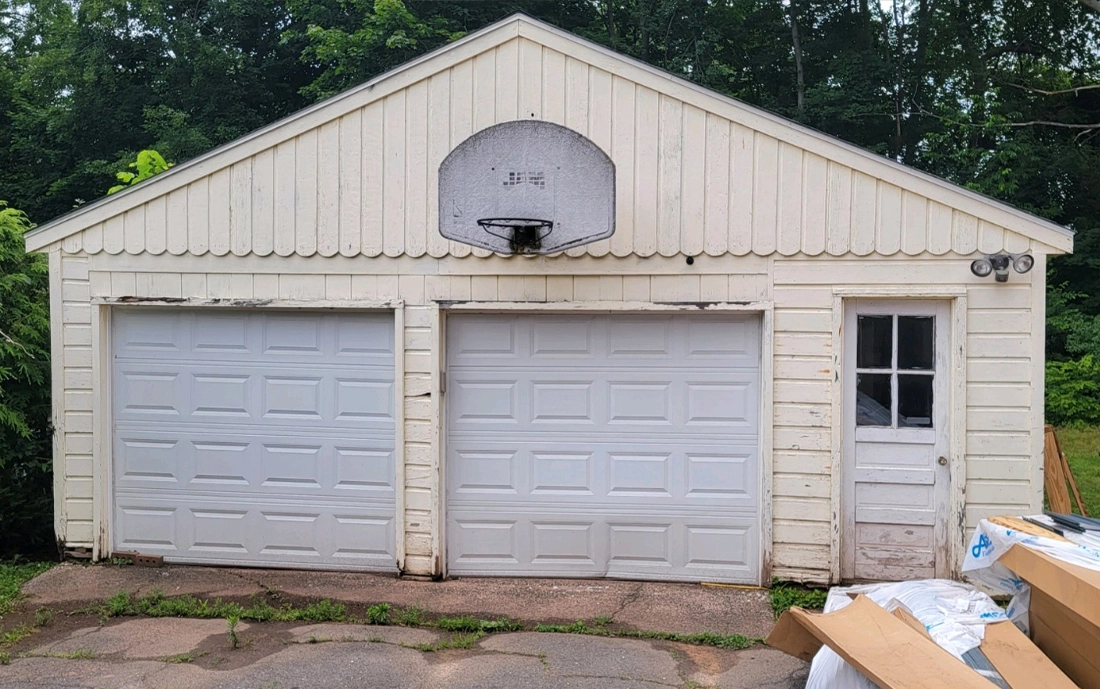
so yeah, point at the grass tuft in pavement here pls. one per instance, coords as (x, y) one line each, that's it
(467, 623)
(730, 641)
(12, 577)
(458, 641)
(155, 604)
(784, 595)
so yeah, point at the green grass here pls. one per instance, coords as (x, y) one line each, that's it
(784, 595)
(465, 629)
(732, 641)
(12, 577)
(155, 604)
(1082, 448)
(462, 641)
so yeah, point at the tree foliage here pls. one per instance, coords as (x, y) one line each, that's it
(1001, 96)
(148, 163)
(25, 458)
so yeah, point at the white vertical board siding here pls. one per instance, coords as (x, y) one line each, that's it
(1000, 419)
(689, 181)
(1000, 356)
(76, 433)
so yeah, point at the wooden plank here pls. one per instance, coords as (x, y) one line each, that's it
(134, 230)
(964, 233)
(622, 152)
(888, 225)
(646, 158)
(1053, 477)
(717, 185)
(864, 209)
(286, 175)
(114, 233)
(914, 233)
(240, 215)
(305, 194)
(351, 183)
(765, 198)
(439, 145)
(742, 155)
(553, 86)
(790, 219)
(263, 202)
(1019, 661)
(600, 126)
(669, 167)
(220, 210)
(328, 189)
(416, 170)
(693, 183)
(883, 648)
(815, 185)
(1068, 472)
(507, 81)
(393, 210)
(530, 74)
(839, 219)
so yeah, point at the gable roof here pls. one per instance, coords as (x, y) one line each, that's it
(1057, 238)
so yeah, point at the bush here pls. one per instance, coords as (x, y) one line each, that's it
(26, 500)
(1073, 392)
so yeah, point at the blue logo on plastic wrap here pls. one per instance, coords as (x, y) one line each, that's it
(984, 546)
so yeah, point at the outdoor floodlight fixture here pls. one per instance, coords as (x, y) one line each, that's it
(998, 264)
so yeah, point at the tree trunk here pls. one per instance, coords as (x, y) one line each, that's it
(611, 24)
(1093, 5)
(796, 41)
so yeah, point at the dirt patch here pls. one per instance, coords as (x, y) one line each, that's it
(258, 641)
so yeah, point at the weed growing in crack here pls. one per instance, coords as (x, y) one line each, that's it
(458, 641)
(5, 658)
(15, 635)
(468, 623)
(731, 641)
(155, 604)
(378, 614)
(602, 620)
(784, 595)
(183, 658)
(42, 617)
(409, 617)
(234, 639)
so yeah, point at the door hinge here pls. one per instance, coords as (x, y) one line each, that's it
(443, 381)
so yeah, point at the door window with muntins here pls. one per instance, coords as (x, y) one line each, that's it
(895, 370)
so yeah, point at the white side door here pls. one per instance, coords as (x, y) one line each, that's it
(895, 467)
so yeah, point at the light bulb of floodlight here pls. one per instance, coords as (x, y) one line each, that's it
(981, 267)
(1023, 263)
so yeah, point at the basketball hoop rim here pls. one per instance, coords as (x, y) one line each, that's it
(515, 223)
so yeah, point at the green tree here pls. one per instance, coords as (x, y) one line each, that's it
(148, 163)
(25, 458)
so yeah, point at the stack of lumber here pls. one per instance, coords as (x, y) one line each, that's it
(1056, 476)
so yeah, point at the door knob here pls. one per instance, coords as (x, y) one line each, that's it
(942, 461)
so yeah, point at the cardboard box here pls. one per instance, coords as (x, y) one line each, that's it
(895, 652)
(1064, 612)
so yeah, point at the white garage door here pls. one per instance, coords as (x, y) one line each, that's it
(603, 446)
(258, 438)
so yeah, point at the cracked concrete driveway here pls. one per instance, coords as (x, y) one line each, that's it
(78, 649)
(146, 654)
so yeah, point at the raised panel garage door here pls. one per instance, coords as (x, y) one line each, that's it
(254, 437)
(604, 445)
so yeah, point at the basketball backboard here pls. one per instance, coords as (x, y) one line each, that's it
(527, 186)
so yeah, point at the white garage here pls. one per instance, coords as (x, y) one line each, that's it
(255, 438)
(526, 306)
(604, 445)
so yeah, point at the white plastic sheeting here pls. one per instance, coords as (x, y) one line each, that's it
(953, 613)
